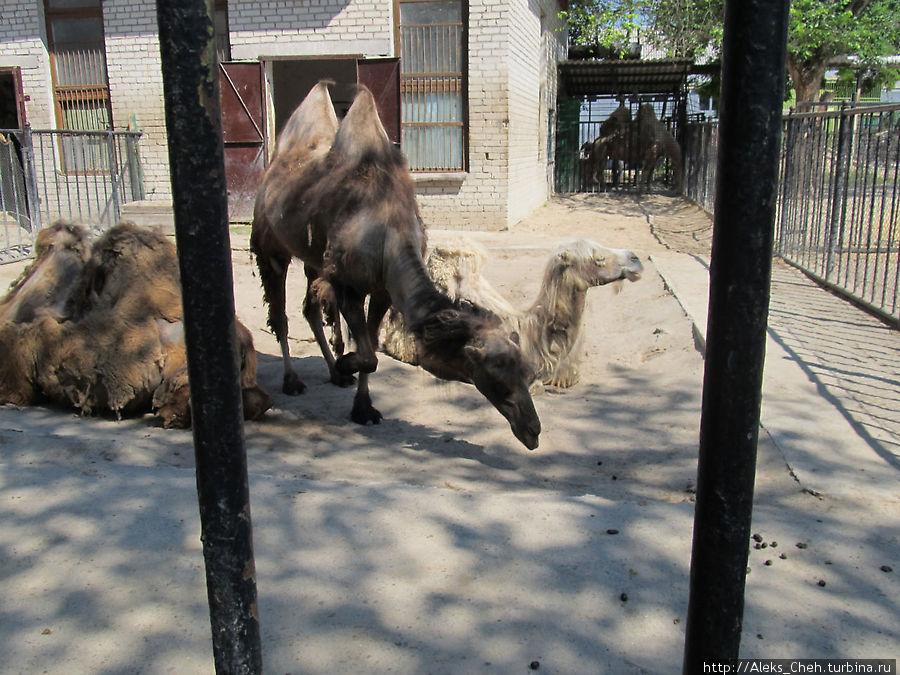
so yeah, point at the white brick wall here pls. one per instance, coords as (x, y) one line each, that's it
(512, 50)
(136, 88)
(513, 53)
(311, 28)
(21, 45)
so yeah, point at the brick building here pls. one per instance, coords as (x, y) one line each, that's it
(474, 85)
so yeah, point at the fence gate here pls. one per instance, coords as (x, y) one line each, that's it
(243, 131)
(85, 176)
(16, 230)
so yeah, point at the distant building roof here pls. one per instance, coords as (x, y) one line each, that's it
(591, 77)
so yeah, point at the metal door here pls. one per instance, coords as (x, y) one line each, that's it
(243, 130)
(382, 77)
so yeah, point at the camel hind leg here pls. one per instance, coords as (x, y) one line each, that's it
(273, 270)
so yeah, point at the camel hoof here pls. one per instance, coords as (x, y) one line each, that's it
(345, 365)
(365, 414)
(292, 385)
(342, 380)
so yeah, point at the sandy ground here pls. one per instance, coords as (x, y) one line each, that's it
(435, 542)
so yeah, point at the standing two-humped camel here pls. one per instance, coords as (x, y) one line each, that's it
(344, 204)
(644, 141)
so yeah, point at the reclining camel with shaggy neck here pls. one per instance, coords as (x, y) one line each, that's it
(346, 207)
(551, 330)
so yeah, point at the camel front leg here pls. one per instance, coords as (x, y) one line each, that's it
(312, 312)
(364, 361)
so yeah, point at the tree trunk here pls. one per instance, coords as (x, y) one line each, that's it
(806, 76)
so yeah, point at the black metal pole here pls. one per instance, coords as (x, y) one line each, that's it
(196, 156)
(753, 70)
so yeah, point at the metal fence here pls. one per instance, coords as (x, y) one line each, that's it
(84, 176)
(574, 171)
(838, 212)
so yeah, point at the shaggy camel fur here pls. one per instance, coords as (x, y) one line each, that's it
(612, 143)
(112, 338)
(350, 215)
(61, 251)
(550, 331)
(642, 141)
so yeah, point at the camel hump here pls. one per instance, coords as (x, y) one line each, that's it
(361, 132)
(313, 124)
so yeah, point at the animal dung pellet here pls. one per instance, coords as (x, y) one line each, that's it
(757, 537)
(801, 544)
(820, 582)
(783, 556)
(886, 568)
(534, 665)
(612, 530)
(768, 563)
(623, 597)
(773, 544)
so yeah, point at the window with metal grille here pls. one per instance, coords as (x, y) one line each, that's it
(80, 83)
(432, 91)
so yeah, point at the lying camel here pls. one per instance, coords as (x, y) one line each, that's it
(112, 338)
(61, 252)
(551, 330)
(345, 205)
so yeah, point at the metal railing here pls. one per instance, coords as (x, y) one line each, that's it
(45, 175)
(838, 211)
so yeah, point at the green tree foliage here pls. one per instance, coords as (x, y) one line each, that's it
(819, 32)
(609, 24)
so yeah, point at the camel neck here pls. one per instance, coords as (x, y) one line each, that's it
(559, 304)
(412, 291)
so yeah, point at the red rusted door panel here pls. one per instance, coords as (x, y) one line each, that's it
(243, 129)
(382, 77)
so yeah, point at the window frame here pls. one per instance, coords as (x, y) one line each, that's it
(463, 75)
(98, 93)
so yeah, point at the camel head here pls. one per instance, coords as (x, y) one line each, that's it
(646, 113)
(469, 344)
(586, 263)
(499, 372)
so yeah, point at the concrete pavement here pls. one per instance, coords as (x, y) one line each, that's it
(101, 566)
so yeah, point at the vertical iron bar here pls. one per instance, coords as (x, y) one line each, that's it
(196, 155)
(753, 66)
(838, 201)
(113, 178)
(784, 230)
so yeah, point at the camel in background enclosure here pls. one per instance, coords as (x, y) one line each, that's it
(104, 331)
(344, 204)
(643, 141)
(551, 330)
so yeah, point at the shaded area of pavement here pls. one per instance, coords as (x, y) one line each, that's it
(832, 377)
(429, 544)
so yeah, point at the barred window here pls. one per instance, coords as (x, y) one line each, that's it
(432, 84)
(80, 83)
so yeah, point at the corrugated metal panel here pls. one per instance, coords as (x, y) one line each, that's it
(579, 79)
